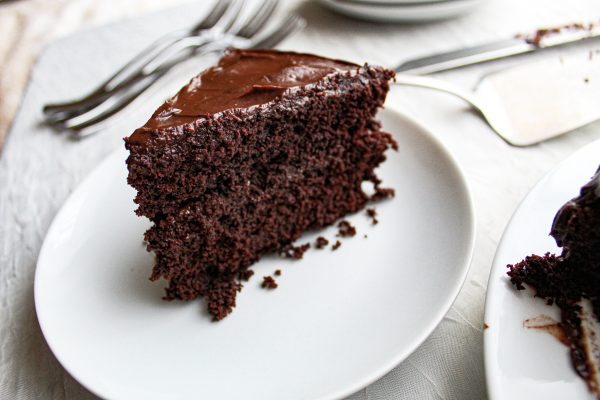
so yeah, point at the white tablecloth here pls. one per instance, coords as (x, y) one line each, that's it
(39, 168)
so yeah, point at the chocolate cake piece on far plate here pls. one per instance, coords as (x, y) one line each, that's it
(248, 156)
(571, 280)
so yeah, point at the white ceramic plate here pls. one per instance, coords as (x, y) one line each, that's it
(394, 2)
(415, 11)
(525, 363)
(338, 321)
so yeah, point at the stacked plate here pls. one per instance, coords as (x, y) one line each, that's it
(401, 10)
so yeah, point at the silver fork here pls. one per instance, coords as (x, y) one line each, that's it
(219, 18)
(103, 106)
(91, 121)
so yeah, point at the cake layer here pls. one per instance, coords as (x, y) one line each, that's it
(223, 153)
(225, 235)
(264, 219)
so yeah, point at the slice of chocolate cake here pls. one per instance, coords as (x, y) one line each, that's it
(246, 157)
(573, 278)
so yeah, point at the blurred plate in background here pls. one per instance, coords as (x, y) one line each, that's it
(401, 10)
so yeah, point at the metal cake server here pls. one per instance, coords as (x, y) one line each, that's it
(532, 102)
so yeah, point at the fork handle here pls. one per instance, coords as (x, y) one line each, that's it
(439, 85)
(491, 115)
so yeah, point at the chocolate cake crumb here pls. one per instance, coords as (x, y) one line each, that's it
(586, 80)
(372, 213)
(220, 297)
(336, 245)
(295, 252)
(278, 272)
(382, 194)
(538, 36)
(365, 236)
(321, 242)
(246, 275)
(269, 283)
(485, 326)
(346, 229)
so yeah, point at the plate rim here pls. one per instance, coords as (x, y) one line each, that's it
(368, 379)
(494, 286)
(402, 13)
(394, 3)
(382, 371)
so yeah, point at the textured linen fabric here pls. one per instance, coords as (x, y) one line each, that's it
(40, 168)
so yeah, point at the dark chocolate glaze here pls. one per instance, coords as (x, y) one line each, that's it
(588, 193)
(242, 79)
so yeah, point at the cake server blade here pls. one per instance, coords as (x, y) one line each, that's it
(537, 101)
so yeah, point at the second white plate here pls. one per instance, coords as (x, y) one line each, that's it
(416, 11)
(338, 321)
(525, 364)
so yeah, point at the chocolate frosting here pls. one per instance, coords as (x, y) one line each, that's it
(242, 79)
(589, 192)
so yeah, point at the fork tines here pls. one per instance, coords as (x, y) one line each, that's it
(221, 28)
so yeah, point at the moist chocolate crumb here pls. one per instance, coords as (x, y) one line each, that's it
(372, 213)
(336, 245)
(321, 242)
(346, 229)
(382, 194)
(295, 252)
(220, 298)
(278, 272)
(246, 275)
(485, 326)
(269, 283)
(538, 36)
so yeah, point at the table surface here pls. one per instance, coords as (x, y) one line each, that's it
(39, 168)
(26, 26)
